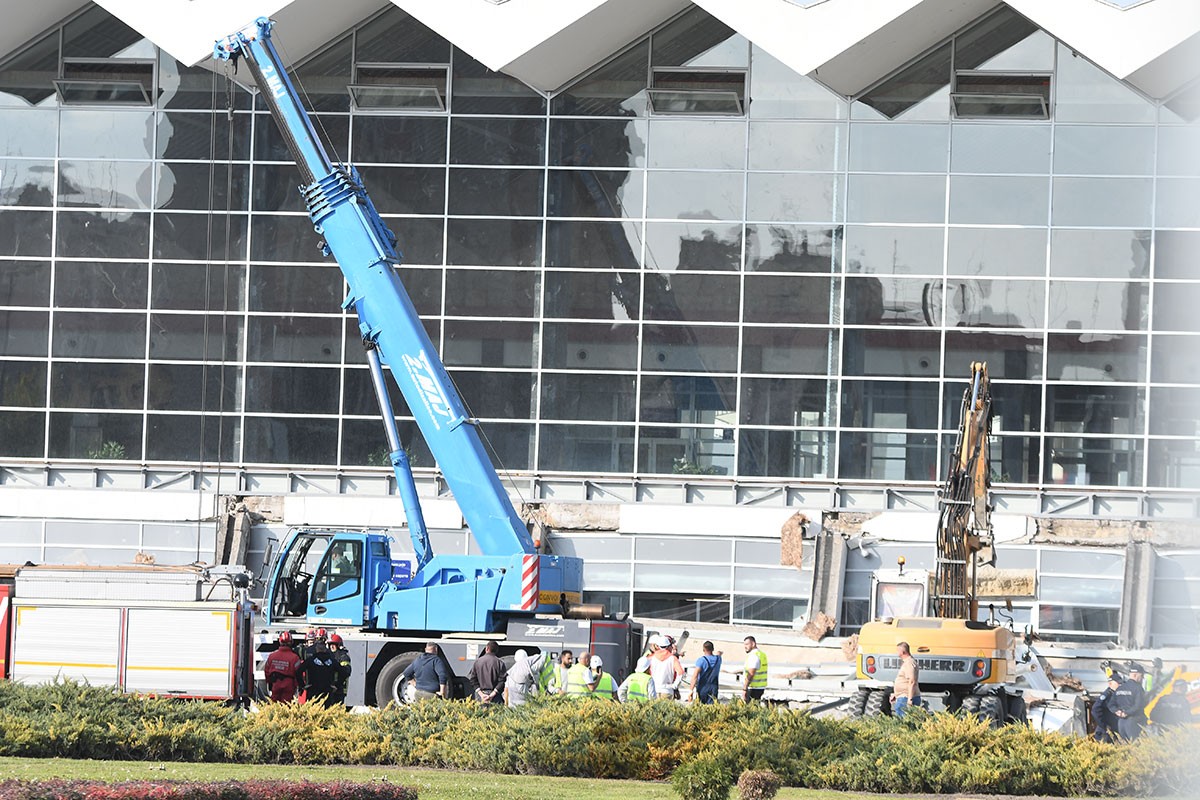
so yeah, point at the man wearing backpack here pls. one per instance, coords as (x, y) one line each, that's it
(706, 675)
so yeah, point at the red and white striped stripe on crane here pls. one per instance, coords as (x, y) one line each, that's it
(529, 582)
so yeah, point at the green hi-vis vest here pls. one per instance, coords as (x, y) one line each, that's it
(546, 675)
(576, 686)
(604, 687)
(639, 688)
(759, 681)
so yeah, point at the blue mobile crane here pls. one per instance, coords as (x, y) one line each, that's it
(386, 608)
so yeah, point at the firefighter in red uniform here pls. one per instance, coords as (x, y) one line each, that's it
(283, 670)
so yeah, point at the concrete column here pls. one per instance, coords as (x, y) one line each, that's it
(1137, 596)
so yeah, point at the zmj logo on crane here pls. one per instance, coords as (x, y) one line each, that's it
(273, 80)
(431, 392)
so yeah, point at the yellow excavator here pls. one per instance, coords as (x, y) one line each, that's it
(971, 664)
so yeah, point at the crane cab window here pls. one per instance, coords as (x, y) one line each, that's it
(295, 579)
(340, 574)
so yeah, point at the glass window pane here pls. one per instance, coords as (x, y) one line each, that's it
(794, 402)
(100, 285)
(295, 288)
(1004, 149)
(191, 237)
(591, 398)
(789, 299)
(896, 198)
(593, 548)
(598, 142)
(784, 350)
(697, 38)
(27, 183)
(194, 387)
(674, 246)
(24, 131)
(1102, 202)
(505, 142)
(1090, 592)
(600, 574)
(364, 444)
(79, 334)
(749, 551)
(586, 448)
(22, 383)
(478, 90)
(25, 233)
(1103, 150)
(1091, 305)
(766, 610)
(201, 136)
(893, 301)
(796, 145)
(1174, 464)
(698, 143)
(103, 234)
(105, 133)
(495, 192)
(1084, 563)
(407, 190)
(785, 454)
(676, 399)
(893, 456)
(292, 390)
(791, 248)
(24, 333)
(694, 195)
(1003, 252)
(593, 244)
(1084, 93)
(179, 438)
(1094, 410)
(780, 580)
(902, 353)
(96, 436)
(25, 283)
(781, 93)
(681, 578)
(889, 404)
(183, 336)
(358, 397)
(1017, 356)
(592, 295)
(284, 440)
(919, 91)
(269, 145)
(1176, 254)
(280, 238)
(1100, 254)
(1173, 411)
(1174, 307)
(491, 293)
(894, 251)
(986, 303)
(996, 200)
(711, 298)
(1095, 357)
(197, 286)
(489, 343)
(91, 385)
(792, 197)
(616, 89)
(1016, 408)
(667, 548)
(195, 186)
(1176, 359)
(575, 345)
(898, 148)
(1177, 201)
(104, 184)
(399, 139)
(302, 339)
(689, 348)
(494, 242)
(682, 606)
(496, 395)
(420, 240)
(22, 435)
(1177, 150)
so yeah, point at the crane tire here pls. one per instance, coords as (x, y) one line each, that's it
(858, 702)
(390, 683)
(971, 704)
(877, 704)
(991, 709)
(1017, 710)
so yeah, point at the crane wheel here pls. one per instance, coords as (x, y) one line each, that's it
(877, 704)
(971, 704)
(390, 683)
(858, 702)
(991, 709)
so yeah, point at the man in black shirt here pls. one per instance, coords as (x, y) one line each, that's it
(1173, 709)
(488, 674)
(429, 673)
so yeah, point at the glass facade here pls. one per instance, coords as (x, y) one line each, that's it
(791, 286)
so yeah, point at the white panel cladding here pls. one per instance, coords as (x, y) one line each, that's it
(180, 650)
(691, 520)
(366, 512)
(40, 631)
(108, 584)
(108, 504)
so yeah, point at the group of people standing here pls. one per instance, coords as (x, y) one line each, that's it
(321, 671)
(1119, 712)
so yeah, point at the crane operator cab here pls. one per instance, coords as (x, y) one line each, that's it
(318, 576)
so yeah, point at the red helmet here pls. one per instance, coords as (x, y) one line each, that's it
(322, 634)
(335, 638)
(285, 637)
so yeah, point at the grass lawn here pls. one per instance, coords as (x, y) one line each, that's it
(432, 784)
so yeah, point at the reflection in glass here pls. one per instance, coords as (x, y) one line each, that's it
(363, 444)
(196, 186)
(194, 237)
(896, 198)
(1095, 357)
(25, 233)
(26, 81)
(103, 234)
(616, 89)
(586, 448)
(797, 145)
(100, 285)
(1016, 407)
(797, 454)
(598, 142)
(294, 289)
(84, 334)
(789, 299)
(171, 437)
(686, 399)
(685, 451)
(106, 133)
(1103, 150)
(998, 200)
(698, 39)
(781, 93)
(888, 456)
(1092, 305)
(1100, 254)
(1176, 203)
(592, 398)
(893, 351)
(792, 402)
(1177, 150)
(894, 301)
(22, 434)
(284, 440)
(1002, 252)
(24, 333)
(791, 248)
(495, 242)
(495, 192)
(491, 293)
(984, 303)
(1094, 409)
(789, 351)
(25, 283)
(577, 345)
(1085, 93)
(1175, 464)
(26, 183)
(504, 142)
(193, 387)
(22, 383)
(694, 195)
(399, 139)
(1102, 202)
(298, 339)
(292, 390)
(96, 436)
(689, 348)
(672, 246)
(894, 251)
(1173, 411)
(1093, 461)
(1016, 356)
(898, 148)
(686, 296)
(1007, 149)
(701, 144)
(593, 244)
(904, 91)
(793, 197)
(1174, 359)
(92, 385)
(489, 343)
(478, 90)
(197, 286)
(193, 337)
(199, 136)
(594, 193)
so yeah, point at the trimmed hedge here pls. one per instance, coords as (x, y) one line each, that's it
(919, 753)
(211, 790)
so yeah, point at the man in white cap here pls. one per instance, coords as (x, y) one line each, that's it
(639, 686)
(522, 678)
(605, 688)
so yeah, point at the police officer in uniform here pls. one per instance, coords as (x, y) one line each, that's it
(320, 673)
(1102, 713)
(1128, 701)
(342, 669)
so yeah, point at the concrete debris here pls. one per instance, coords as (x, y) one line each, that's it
(1114, 532)
(574, 516)
(143, 558)
(799, 675)
(791, 540)
(1006, 583)
(819, 626)
(1067, 681)
(850, 647)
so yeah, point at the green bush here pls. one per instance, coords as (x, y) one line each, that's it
(702, 779)
(758, 784)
